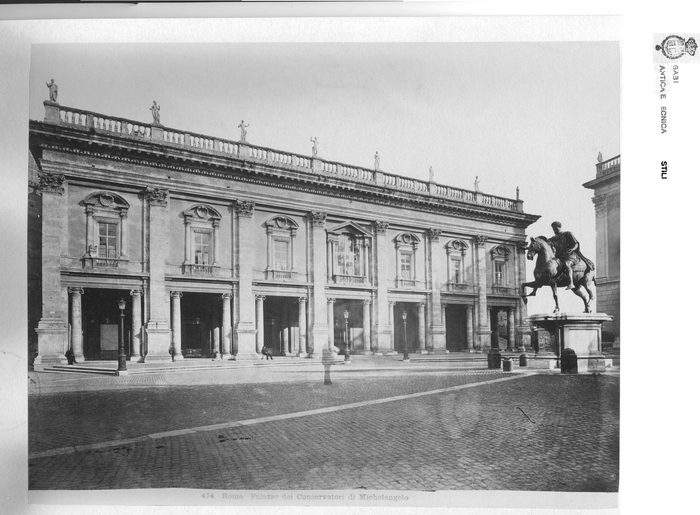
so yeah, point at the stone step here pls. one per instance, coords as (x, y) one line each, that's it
(77, 369)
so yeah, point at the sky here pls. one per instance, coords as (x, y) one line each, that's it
(528, 115)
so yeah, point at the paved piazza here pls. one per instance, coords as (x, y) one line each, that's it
(381, 425)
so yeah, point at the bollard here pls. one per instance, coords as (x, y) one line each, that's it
(507, 365)
(569, 362)
(523, 360)
(494, 359)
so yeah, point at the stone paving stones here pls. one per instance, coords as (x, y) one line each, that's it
(539, 432)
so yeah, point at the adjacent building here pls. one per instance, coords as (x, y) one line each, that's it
(221, 247)
(606, 198)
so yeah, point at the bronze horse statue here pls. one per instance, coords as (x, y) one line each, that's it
(550, 271)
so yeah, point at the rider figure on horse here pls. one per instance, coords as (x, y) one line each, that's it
(567, 250)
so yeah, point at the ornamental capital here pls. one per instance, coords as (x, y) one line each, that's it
(226, 296)
(318, 218)
(175, 294)
(481, 240)
(157, 196)
(260, 298)
(245, 208)
(434, 234)
(51, 183)
(381, 226)
(76, 291)
(136, 293)
(303, 300)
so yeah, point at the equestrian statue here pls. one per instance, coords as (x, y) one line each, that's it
(560, 264)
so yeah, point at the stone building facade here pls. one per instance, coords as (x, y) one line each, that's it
(606, 189)
(221, 246)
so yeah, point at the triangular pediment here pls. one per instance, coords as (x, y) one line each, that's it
(350, 227)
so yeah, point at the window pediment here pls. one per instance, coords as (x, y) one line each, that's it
(201, 212)
(281, 223)
(457, 246)
(350, 228)
(500, 253)
(407, 239)
(106, 200)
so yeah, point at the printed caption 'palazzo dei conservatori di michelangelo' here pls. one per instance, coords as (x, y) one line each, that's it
(220, 247)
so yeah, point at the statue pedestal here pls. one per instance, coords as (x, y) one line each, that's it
(579, 332)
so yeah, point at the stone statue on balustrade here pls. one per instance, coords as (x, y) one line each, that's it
(476, 183)
(431, 175)
(243, 128)
(560, 263)
(53, 91)
(314, 147)
(155, 111)
(376, 161)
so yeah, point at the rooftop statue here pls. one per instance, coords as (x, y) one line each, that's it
(560, 263)
(155, 111)
(476, 183)
(314, 147)
(431, 174)
(243, 128)
(53, 91)
(376, 160)
(600, 157)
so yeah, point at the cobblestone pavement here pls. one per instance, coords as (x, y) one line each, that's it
(536, 432)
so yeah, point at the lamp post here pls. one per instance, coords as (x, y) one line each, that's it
(346, 314)
(121, 368)
(405, 339)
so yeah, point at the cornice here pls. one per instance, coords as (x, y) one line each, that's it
(143, 153)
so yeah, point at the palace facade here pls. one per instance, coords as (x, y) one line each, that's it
(606, 189)
(222, 247)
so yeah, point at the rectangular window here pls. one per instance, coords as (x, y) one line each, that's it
(348, 258)
(406, 266)
(499, 273)
(456, 270)
(107, 233)
(281, 255)
(202, 248)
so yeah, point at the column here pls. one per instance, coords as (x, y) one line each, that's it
(286, 349)
(331, 326)
(365, 263)
(483, 330)
(123, 244)
(226, 328)
(470, 328)
(215, 242)
(260, 322)
(136, 325)
(52, 329)
(246, 260)
(523, 325)
(317, 337)
(511, 329)
(301, 352)
(392, 336)
(177, 325)
(158, 339)
(421, 328)
(76, 322)
(188, 240)
(366, 336)
(382, 339)
(437, 342)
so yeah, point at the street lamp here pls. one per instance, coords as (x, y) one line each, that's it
(121, 368)
(346, 314)
(405, 340)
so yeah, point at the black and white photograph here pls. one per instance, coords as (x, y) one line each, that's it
(332, 271)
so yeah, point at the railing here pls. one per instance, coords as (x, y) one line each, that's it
(406, 283)
(461, 287)
(503, 290)
(609, 166)
(280, 275)
(199, 270)
(350, 279)
(88, 120)
(101, 262)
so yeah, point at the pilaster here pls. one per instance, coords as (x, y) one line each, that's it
(318, 315)
(246, 260)
(382, 334)
(52, 330)
(436, 341)
(158, 333)
(483, 330)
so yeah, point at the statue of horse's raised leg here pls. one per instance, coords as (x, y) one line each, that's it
(534, 285)
(586, 299)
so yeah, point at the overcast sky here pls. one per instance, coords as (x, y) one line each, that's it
(533, 115)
